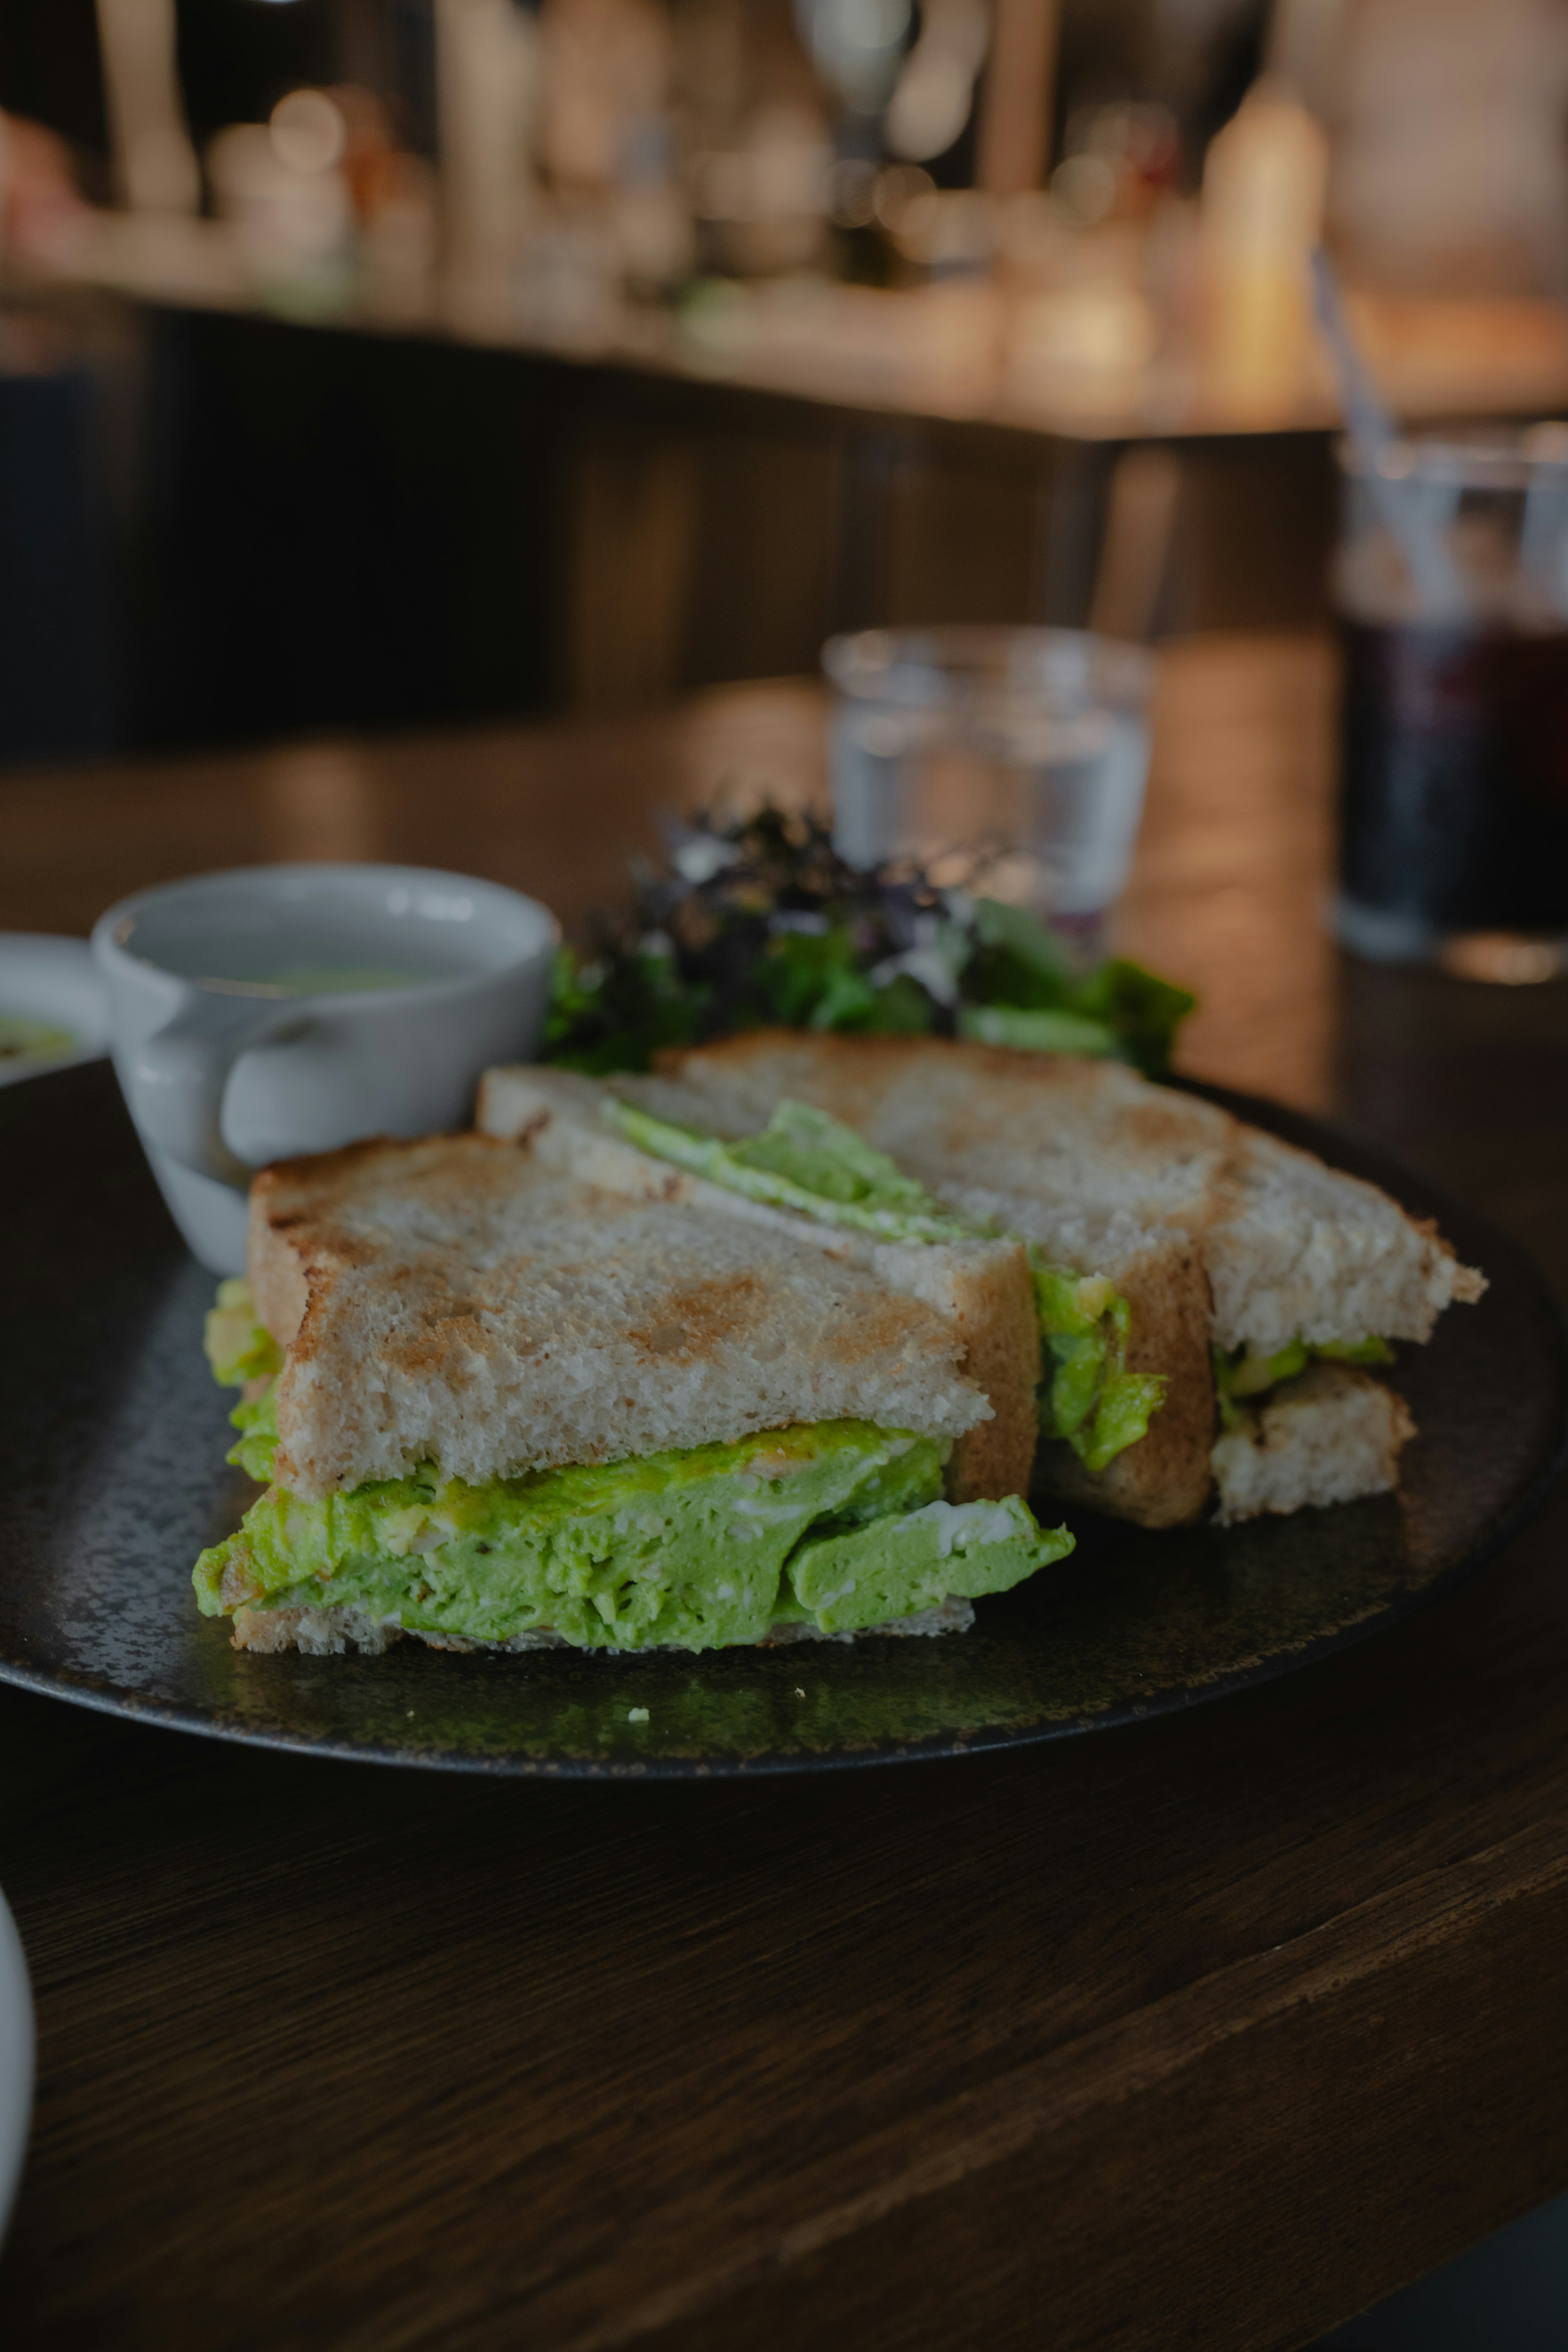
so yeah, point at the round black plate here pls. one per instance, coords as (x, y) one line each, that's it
(116, 1437)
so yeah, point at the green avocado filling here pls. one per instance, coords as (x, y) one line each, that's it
(839, 1523)
(806, 1161)
(1243, 1374)
(1090, 1399)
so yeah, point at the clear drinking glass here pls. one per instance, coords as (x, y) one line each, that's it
(1007, 761)
(1451, 582)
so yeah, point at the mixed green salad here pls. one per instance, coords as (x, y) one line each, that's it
(759, 923)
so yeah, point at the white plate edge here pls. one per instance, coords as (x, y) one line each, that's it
(17, 2061)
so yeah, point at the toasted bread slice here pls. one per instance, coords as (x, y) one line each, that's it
(982, 1288)
(1096, 1148)
(1291, 1247)
(1296, 1249)
(455, 1300)
(1331, 1435)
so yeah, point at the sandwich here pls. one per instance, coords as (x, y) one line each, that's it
(495, 1405)
(1258, 1291)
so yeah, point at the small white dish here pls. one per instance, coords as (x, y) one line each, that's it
(53, 983)
(16, 2060)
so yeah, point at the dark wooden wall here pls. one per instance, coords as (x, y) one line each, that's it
(296, 527)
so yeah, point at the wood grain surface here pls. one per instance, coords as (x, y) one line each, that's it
(1201, 2034)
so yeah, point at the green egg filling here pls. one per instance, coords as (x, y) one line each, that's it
(837, 1523)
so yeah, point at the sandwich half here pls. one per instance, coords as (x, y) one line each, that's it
(1261, 1288)
(494, 1405)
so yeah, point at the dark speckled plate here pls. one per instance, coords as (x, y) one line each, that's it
(116, 1437)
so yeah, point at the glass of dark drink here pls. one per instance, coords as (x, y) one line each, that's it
(1454, 773)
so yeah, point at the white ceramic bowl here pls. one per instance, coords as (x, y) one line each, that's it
(244, 1030)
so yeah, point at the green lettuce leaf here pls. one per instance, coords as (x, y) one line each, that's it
(1242, 1374)
(1037, 1033)
(803, 1161)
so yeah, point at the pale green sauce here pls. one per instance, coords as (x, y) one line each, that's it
(24, 1039)
(328, 979)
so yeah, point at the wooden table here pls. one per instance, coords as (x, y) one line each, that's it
(1205, 2034)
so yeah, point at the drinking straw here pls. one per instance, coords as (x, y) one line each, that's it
(1440, 584)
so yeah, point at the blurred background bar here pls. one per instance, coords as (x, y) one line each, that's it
(412, 360)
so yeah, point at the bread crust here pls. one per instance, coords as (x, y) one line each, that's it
(1162, 1481)
(988, 1294)
(323, 1633)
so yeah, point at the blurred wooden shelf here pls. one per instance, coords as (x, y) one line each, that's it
(939, 355)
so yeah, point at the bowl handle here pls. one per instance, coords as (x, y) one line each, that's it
(178, 1076)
